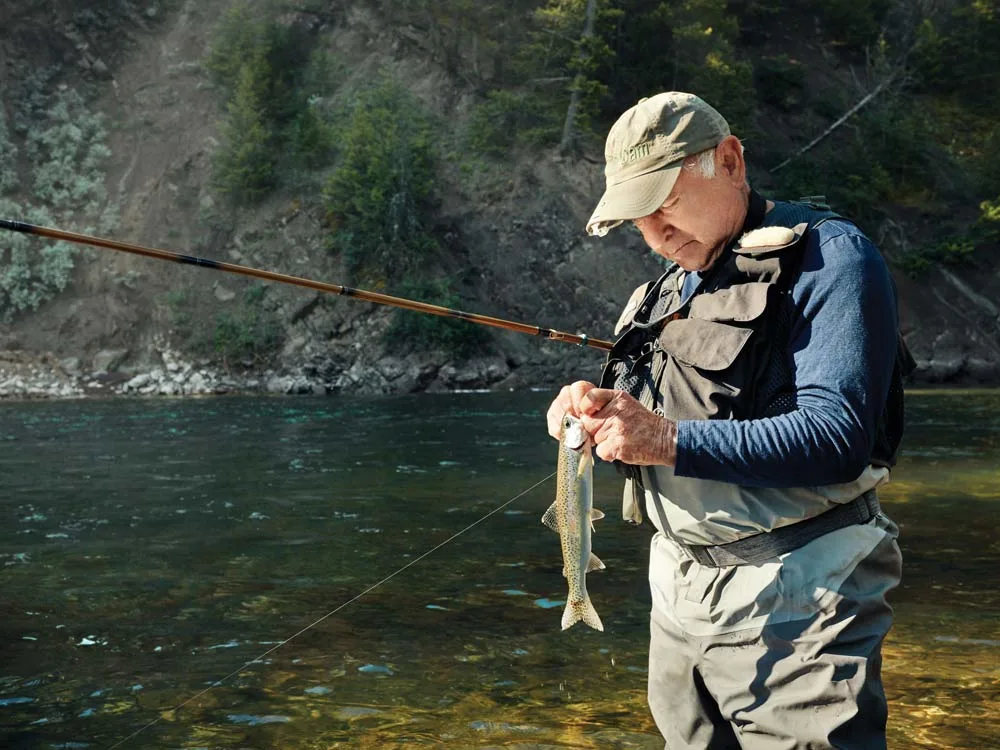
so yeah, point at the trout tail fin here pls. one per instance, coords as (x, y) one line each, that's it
(581, 609)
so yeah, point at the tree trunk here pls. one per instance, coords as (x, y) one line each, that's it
(574, 99)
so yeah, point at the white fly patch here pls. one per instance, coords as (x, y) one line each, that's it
(767, 237)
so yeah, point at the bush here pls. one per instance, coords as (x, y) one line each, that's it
(8, 157)
(66, 148)
(68, 157)
(507, 118)
(248, 335)
(245, 163)
(854, 24)
(413, 330)
(273, 84)
(884, 157)
(780, 82)
(32, 270)
(377, 198)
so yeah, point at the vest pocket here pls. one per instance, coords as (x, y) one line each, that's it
(704, 344)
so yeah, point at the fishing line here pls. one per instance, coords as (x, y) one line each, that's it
(371, 588)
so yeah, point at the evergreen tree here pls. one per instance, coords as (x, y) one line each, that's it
(245, 163)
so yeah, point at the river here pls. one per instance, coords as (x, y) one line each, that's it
(214, 554)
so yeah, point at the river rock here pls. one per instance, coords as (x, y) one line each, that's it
(107, 360)
(137, 382)
(71, 366)
(196, 384)
(222, 294)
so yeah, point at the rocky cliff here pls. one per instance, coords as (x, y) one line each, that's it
(129, 325)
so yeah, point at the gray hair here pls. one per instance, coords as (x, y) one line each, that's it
(704, 162)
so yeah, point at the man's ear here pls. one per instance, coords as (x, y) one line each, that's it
(730, 164)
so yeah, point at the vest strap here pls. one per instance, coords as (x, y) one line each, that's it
(760, 548)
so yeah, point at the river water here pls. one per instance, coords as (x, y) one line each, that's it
(151, 549)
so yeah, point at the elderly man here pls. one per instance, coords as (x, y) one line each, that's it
(753, 401)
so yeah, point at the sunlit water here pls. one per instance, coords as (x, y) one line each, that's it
(151, 548)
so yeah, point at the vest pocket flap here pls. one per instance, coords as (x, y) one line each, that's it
(737, 303)
(703, 343)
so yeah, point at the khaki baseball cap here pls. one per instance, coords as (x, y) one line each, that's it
(645, 151)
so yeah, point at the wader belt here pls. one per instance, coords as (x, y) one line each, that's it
(759, 548)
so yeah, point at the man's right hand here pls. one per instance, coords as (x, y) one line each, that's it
(567, 402)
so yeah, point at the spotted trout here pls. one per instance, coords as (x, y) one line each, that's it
(572, 516)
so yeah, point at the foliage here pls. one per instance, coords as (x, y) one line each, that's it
(377, 199)
(411, 331)
(274, 80)
(702, 37)
(66, 149)
(854, 24)
(245, 164)
(507, 118)
(8, 157)
(957, 250)
(884, 158)
(780, 82)
(31, 272)
(956, 54)
(248, 334)
(68, 156)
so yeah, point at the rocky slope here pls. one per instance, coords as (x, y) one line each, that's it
(117, 328)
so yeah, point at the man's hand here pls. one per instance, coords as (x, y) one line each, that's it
(567, 402)
(625, 430)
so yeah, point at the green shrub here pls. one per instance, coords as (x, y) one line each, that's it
(412, 331)
(273, 84)
(377, 198)
(780, 81)
(66, 148)
(507, 118)
(957, 249)
(245, 162)
(883, 157)
(32, 270)
(8, 157)
(854, 24)
(249, 333)
(68, 155)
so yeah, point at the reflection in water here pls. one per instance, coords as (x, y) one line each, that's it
(149, 548)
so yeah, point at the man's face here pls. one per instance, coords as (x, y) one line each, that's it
(701, 215)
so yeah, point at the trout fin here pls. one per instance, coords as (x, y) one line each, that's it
(594, 563)
(582, 609)
(550, 518)
(595, 515)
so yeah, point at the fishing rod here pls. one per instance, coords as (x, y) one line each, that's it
(581, 339)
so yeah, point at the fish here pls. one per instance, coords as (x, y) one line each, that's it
(572, 516)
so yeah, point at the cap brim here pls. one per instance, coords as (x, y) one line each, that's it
(632, 199)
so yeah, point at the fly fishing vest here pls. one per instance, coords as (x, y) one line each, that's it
(722, 353)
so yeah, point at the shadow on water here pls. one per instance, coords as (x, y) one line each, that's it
(150, 548)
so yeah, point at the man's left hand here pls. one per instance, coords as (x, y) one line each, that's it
(625, 430)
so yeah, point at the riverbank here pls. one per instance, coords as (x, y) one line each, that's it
(30, 375)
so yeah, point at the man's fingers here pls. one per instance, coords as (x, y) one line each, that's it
(567, 402)
(577, 392)
(596, 399)
(559, 406)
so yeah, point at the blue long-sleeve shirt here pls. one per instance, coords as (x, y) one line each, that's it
(842, 349)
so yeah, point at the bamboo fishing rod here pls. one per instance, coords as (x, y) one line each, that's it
(580, 339)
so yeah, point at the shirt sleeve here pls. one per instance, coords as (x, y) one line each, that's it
(842, 349)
